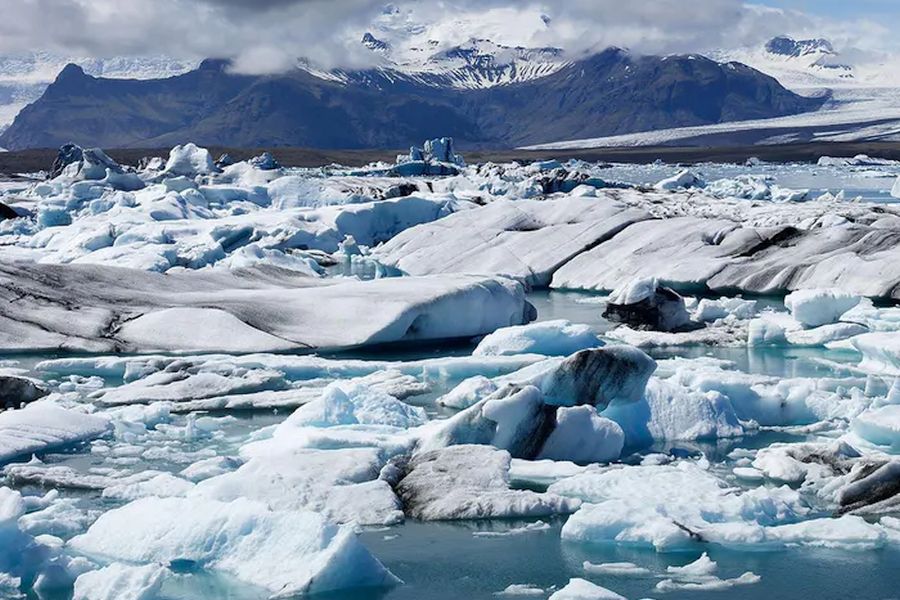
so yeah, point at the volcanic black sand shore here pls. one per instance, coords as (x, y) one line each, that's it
(25, 161)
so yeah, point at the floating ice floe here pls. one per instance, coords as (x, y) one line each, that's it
(754, 187)
(834, 475)
(40, 427)
(582, 589)
(618, 568)
(258, 381)
(623, 505)
(860, 160)
(700, 575)
(520, 590)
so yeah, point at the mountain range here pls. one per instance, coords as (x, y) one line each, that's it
(481, 93)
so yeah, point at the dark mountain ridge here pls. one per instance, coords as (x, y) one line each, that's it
(609, 93)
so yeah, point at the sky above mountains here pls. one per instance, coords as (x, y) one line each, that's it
(268, 35)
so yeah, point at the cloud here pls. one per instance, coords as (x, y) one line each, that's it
(269, 35)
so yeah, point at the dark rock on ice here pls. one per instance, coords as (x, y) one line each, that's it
(599, 377)
(7, 212)
(225, 160)
(16, 392)
(564, 181)
(470, 482)
(646, 305)
(68, 154)
(875, 488)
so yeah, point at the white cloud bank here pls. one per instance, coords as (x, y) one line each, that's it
(269, 35)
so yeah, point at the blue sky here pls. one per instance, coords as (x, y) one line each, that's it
(844, 9)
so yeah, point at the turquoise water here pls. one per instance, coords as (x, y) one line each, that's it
(446, 561)
(440, 561)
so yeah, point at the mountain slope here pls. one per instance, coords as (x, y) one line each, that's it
(609, 93)
(24, 77)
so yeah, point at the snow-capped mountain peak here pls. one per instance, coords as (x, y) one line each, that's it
(459, 52)
(816, 54)
(789, 47)
(374, 44)
(476, 63)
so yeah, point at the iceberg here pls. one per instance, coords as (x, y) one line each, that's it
(671, 412)
(286, 552)
(689, 253)
(682, 180)
(880, 426)
(817, 307)
(120, 582)
(531, 413)
(880, 352)
(644, 304)
(341, 484)
(294, 470)
(31, 561)
(550, 338)
(435, 157)
(582, 589)
(16, 391)
(583, 436)
(189, 160)
(470, 482)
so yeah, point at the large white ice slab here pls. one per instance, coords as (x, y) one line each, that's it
(525, 239)
(690, 252)
(89, 307)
